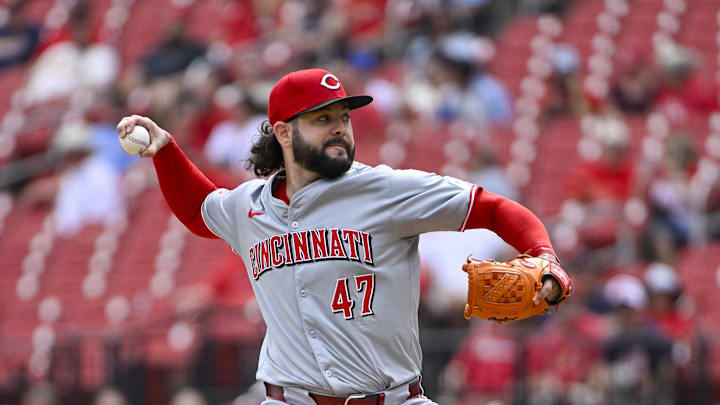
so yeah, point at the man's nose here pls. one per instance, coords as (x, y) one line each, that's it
(340, 127)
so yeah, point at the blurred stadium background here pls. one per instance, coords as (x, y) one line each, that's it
(600, 115)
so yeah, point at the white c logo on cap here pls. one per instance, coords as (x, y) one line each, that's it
(324, 82)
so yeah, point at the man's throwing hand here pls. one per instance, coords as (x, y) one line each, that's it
(158, 136)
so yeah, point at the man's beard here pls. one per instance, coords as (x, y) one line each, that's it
(316, 160)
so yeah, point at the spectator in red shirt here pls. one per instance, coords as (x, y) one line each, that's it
(610, 177)
(683, 88)
(238, 25)
(603, 185)
(224, 285)
(483, 368)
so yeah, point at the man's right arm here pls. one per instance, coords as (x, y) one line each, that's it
(183, 185)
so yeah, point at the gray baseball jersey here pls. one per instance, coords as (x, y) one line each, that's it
(336, 273)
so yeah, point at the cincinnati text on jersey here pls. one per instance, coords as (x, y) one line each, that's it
(310, 246)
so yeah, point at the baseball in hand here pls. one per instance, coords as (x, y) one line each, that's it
(136, 141)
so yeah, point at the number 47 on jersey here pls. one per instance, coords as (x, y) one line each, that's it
(341, 301)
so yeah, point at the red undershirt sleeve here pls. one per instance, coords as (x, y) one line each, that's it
(184, 187)
(512, 222)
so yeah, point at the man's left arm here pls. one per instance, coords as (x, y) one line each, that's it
(518, 227)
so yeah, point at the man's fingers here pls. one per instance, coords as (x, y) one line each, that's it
(125, 126)
(543, 293)
(146, 122)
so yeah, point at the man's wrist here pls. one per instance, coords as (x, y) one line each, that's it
(551, 257)
(543, 251)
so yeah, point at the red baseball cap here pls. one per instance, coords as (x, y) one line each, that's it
(308, 90)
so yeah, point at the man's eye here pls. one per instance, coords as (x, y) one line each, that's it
(346, 117)
(322, 118)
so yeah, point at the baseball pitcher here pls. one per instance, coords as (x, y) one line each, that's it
(331, 245)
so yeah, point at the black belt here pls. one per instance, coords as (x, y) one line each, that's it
(275, 392)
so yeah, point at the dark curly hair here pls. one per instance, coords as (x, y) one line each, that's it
(265, 155)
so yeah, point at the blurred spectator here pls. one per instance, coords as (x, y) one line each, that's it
(225, 284)
(433, 25)
(346, 23)
(666, 296)
(638, 354)
(495, 97)
(624, 291)
(18, 37)
(610, 176)
(384, 91)
(564, 94)
(239, 23)
(567, 366)
(603, 185)
(89, 189)
(471, 54)
(230, 140)
(74, 59)
(40, 394)
(490, 175)
(86, 186)
(664, 289)
(110, 396)
(175, 52)
(188, 396)
(454, 89)
(683, 89)
(483, 368)
(161, 72)
(367, 20)
(672, 223)
(572, 340)
(201, 105)
(634, 88)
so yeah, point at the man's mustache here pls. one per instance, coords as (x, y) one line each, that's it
(337, 140)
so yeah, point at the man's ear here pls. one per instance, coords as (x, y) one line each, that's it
(283, 133)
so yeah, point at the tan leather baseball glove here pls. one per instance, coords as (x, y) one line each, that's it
(504, 291)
